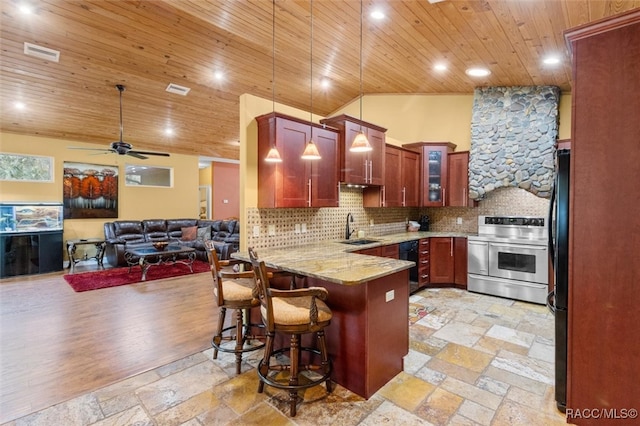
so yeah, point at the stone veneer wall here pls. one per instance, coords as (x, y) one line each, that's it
(513, 135)
(324, 223)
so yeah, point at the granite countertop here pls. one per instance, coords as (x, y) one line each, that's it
(334, 261)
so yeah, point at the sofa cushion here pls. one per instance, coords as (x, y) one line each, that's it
(155, 230)
(189, 233)
(129, 231)
(174, 226)
(204, 233)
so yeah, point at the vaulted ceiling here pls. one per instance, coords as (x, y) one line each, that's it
(148, 44)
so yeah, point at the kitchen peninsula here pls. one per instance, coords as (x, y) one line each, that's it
(369, 297)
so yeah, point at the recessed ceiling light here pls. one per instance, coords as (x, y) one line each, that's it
(477, 72)
(325, 82)
(218, 75)
(168, 131)
(25, 9)
(378, 14)
(440, 67)
(19, 106)
(551, 60)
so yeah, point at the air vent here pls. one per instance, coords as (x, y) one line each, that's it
(41, 52)
(178, 90)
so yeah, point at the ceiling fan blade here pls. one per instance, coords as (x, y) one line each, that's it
(137, 155)
(90, 149)
(161, 154)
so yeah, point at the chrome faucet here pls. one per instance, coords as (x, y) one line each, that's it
(349, 232)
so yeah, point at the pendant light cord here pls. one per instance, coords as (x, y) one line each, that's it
(360, 59)
(311, 73)
(273, 59)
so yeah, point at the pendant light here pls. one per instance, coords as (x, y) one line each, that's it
(361, 143)
(311, 150)
(273, 156)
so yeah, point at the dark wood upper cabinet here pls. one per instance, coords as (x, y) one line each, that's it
(458, 183)
(401, 180)
(296, 182)
(360, 168)
(433, 171)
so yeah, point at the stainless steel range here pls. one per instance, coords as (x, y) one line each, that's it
(509, 258)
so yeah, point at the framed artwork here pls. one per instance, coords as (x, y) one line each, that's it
(26, 168)
(90, 191)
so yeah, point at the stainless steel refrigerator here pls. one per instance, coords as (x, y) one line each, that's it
(559, 252)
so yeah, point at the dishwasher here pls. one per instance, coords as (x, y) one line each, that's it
(409, 251)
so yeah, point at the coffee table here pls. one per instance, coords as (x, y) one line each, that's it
(148, 256)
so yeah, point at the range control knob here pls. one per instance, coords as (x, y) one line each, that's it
(525, 221)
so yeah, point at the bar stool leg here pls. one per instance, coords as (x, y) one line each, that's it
(293, 377)
(325, 358)
(239, 339)
(264, 364)
(217, 338)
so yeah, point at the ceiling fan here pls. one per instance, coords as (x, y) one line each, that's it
(120, 147)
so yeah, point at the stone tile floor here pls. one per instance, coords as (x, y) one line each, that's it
(473, 360)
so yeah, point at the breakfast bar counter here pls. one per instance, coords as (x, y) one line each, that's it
(369, 297)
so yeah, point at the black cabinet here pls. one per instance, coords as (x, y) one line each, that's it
(24, 253)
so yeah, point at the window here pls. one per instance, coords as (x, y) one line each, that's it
(137, 175)
(28, 168)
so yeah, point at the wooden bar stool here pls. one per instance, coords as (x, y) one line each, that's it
(237, 291)
(292, 312)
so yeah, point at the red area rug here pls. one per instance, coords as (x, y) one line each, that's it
(120, 276)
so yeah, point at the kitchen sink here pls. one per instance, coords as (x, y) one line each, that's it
(358, 242)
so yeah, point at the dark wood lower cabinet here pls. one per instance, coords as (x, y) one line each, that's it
(448, 262)
(460, 262)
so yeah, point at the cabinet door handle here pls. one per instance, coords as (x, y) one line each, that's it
(370, 171)
(444, 196)
(465, 202)
(451, 246)
(384, 196)
(366, 171)
(309, 193)
(404, 197)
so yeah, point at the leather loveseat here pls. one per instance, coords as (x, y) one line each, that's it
(189, 232)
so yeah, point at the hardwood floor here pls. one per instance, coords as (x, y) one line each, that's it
(56, 344)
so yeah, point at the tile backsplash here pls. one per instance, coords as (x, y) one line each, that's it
(320, 224)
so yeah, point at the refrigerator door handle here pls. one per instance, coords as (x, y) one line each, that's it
(550, 225)
(551, 302)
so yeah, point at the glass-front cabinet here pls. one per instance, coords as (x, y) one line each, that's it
(30, 238)
(433, 176)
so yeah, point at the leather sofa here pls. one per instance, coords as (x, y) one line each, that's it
(189, 232)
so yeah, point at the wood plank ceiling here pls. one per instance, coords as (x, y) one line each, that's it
(146, 45)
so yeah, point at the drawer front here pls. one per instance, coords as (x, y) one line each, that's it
(423, 275)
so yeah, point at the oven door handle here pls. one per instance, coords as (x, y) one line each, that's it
(516, 246)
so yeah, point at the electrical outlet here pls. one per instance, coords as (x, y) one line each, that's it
(256, 231)
(390, 295)
(303, 228)
(272, 230)
(297, 228)
(459, 221)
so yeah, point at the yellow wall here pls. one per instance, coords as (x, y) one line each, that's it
(181, 201)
